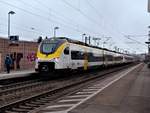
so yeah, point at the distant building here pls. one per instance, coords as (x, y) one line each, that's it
(23, 54)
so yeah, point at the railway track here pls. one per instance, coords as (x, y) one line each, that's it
(31, 96)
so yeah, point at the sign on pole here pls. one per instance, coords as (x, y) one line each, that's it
(14, 40)
(149, 6)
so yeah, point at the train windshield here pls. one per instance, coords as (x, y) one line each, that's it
(48, 47)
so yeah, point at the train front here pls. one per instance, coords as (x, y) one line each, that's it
(48, 54)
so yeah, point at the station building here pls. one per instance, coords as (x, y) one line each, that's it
(23, 54)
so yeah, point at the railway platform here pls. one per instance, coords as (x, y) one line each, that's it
(16, 74)
(130, 94)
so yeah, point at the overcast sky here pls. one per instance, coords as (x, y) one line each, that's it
(97, 18)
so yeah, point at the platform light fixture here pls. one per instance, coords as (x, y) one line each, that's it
(55, 28)
(9, 13)
(83, 35)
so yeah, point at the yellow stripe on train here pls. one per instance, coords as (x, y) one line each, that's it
(56, 54)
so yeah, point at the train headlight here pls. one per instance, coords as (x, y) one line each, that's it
(56, 59)
(37, 59)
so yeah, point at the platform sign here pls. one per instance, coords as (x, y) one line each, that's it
(14, 40)
(149, 6)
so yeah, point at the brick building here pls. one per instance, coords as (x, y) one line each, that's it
(23, 54)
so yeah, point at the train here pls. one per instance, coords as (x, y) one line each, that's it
(61, 53)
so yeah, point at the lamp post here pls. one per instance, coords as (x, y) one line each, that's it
(148, 42)
(83, 37)
(9, 13)
(55, 28)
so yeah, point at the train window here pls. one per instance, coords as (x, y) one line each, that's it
(77, 55)
(92, 58)
(74, 55)
(66, 51)
(109, 57)
(118, 58)
(49, 46)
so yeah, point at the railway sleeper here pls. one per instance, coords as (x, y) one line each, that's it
(46, 99)
(31, 105)
(37, 103)
(25, 107)
(19, 110)
(41, 101)
(8, 99)
(7, 111)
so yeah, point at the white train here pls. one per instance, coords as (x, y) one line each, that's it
(62, 53)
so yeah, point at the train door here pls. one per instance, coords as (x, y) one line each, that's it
(66, 58)
(85, 67)
(105, 57)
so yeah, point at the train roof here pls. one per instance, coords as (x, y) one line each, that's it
(85, 44)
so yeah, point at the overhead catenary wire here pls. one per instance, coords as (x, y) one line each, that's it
(82, 13)
(40, 16)
(43, 11)
(73, 28)
(28, 35)
(100, 15)
(29, 12)
(135, 41)
(23, 27)
(70, 20)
